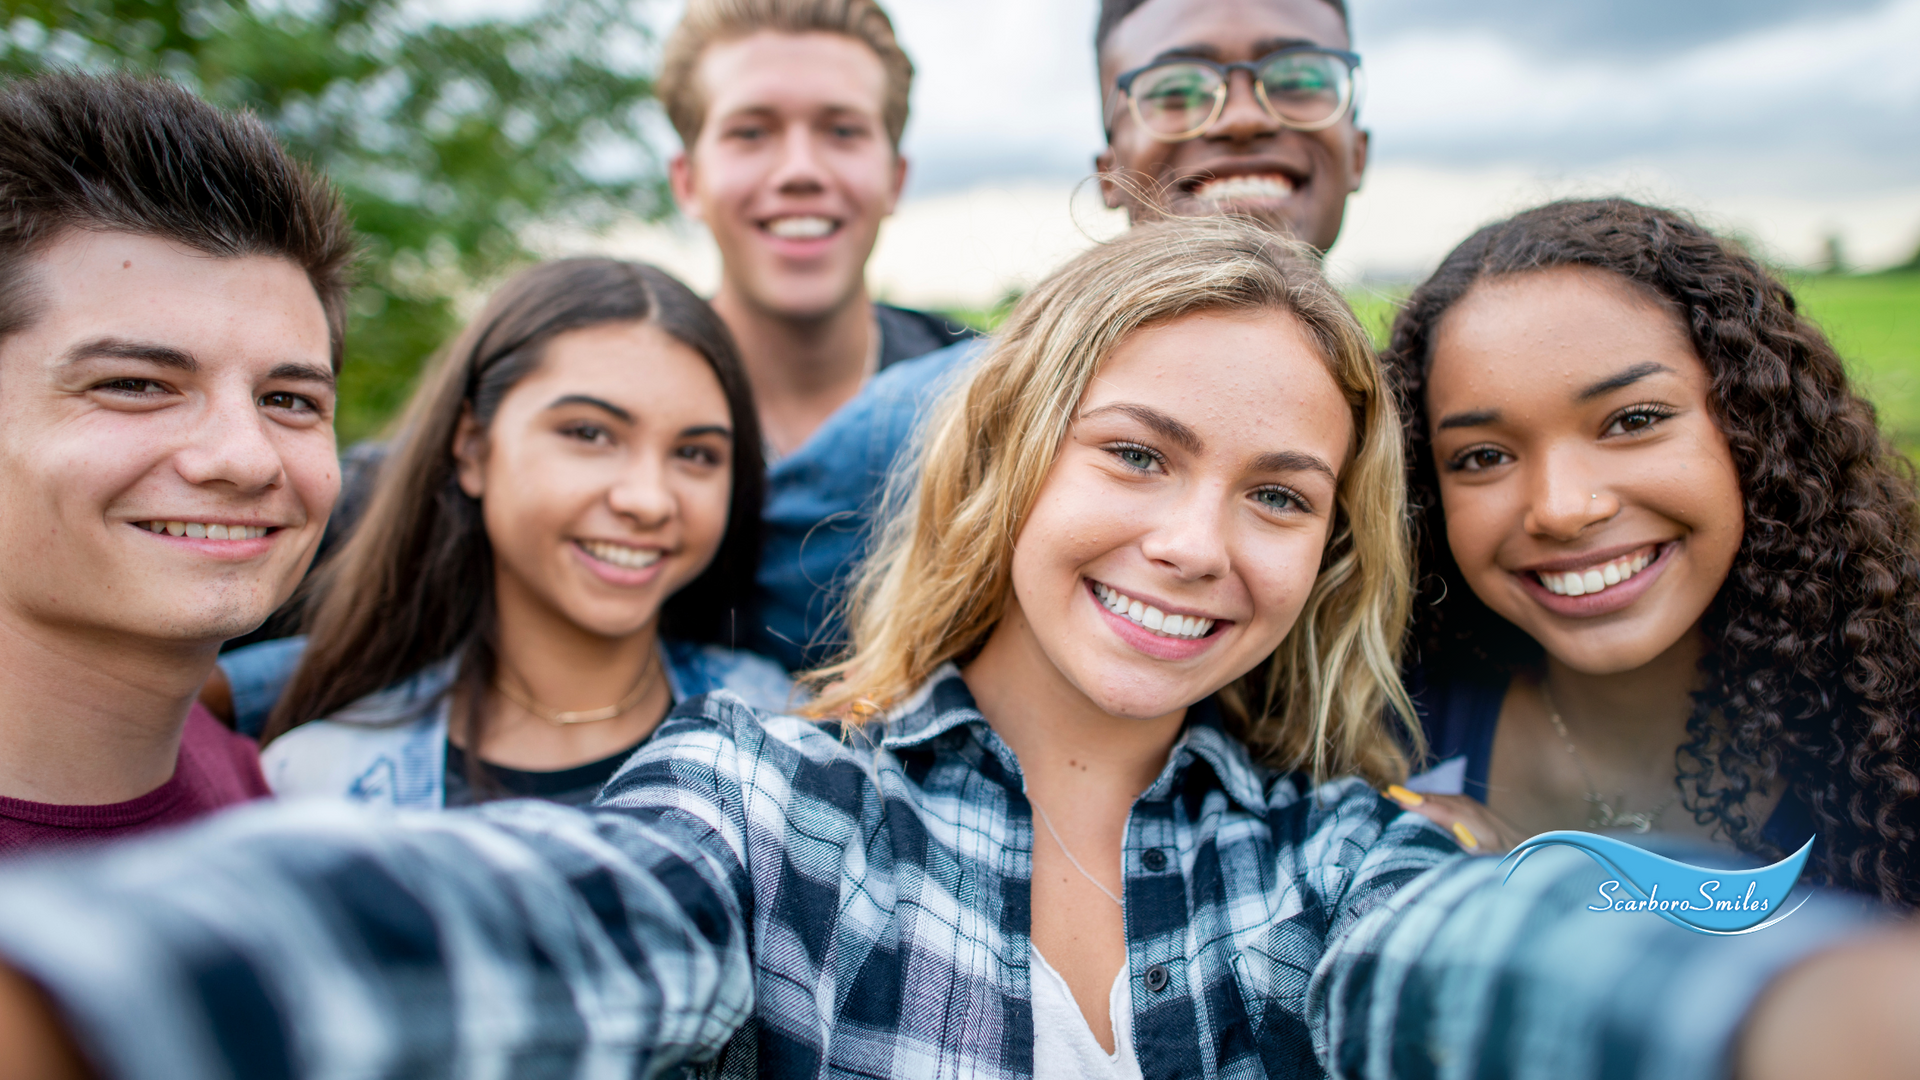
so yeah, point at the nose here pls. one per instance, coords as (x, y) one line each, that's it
(1567, 497)
(230, 446)
(799, 171)
(642, 494)
(1243, 117)
(1190, 541)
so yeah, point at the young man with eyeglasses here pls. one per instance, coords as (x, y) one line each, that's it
(1231, 106)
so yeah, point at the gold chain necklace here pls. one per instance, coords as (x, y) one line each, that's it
(563, 718)
(1600, 812)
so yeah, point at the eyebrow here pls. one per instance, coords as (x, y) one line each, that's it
(599, 403)
(303, 373)
(721, 430)
(1476, 418)
(121, 349)
(1625, 378)
(1211, 52)
(1293, 461)
(1163, 425)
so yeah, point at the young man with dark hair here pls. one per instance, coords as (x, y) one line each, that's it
(171, 305)
(1239, 107)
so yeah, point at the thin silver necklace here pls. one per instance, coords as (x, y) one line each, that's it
(1600, 812)
(1051, 831)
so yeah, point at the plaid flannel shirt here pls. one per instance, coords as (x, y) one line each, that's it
(776, 899)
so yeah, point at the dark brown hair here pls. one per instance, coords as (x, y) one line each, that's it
(145, 156)
(1813, 642)
(414, 583)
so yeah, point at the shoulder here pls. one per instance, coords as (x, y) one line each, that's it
(387, 748)
(719, 752)
(222, 766)
(696, 668)
(906, 333)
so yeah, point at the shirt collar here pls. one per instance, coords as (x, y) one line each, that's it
(943, 703)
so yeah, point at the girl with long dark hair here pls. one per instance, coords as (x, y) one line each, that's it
(1667, 562)
(557, 550)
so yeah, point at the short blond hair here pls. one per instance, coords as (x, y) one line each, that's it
(941, 570)
(709, 22)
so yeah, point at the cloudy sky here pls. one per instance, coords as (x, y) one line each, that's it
(1786, 121)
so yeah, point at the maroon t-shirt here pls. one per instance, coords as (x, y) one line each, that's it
(217, 768)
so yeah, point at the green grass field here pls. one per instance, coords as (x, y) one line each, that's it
(1873, 319)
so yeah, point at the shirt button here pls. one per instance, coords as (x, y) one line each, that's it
(1154, 859)
(1157, 978)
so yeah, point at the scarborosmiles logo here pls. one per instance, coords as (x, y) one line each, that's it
(1702, 899)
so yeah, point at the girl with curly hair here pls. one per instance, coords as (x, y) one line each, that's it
(1668, 575)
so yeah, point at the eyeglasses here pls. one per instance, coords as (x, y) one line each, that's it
(1303, 87)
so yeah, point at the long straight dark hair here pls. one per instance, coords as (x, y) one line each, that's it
(414, 584)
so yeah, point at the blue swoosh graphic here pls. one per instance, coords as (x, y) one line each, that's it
(1702, 899)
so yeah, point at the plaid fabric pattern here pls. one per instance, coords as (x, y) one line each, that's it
(776, 899)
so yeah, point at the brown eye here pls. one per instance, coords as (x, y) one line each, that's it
(1636, 419)
(1479, 459)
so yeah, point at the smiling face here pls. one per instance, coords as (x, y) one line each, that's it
(1180, 530)
(792, 171)
(166, 440)
(1590, 498)
(603, 478)
(1247, 162)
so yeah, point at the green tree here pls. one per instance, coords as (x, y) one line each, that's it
(447, 136)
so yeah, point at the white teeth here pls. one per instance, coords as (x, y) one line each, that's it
(204, 531)
(1180, 626)
(800, 228)
(629, 558)
(1598, 579)
(1246, 188)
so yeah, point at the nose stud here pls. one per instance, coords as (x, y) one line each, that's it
(1595, 495)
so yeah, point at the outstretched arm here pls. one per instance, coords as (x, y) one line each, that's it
(1462, 975)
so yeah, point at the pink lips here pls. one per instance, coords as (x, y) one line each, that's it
(1605, 602)
(1146, 641)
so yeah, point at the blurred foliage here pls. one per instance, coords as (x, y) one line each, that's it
(446, 137)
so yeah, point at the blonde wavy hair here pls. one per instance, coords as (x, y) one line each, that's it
(940, 573)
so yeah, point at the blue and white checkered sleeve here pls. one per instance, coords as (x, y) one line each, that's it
(323, 941)
(1459, 974)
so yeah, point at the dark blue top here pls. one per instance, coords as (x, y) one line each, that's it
(1459, 716)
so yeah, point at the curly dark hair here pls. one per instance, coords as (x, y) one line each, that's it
(1813, 641)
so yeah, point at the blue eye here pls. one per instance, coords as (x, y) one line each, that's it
(1279, 499)
(1135, 456)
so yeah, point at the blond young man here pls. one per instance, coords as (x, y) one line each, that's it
(791, 114)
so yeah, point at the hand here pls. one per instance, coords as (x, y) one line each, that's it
(1847, 1012)
(1474, 827)
(37, 1045)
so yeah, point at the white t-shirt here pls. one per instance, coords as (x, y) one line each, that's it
(1063, 1044)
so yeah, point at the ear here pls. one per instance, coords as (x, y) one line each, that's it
(470, 454)
(1104, 168)
(1361, 138)
(899, 181)
(680, 178)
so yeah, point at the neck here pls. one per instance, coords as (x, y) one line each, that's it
(89, 718)
(559, 666)
(801, 369)
(1630, 716)
(1073, 754)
